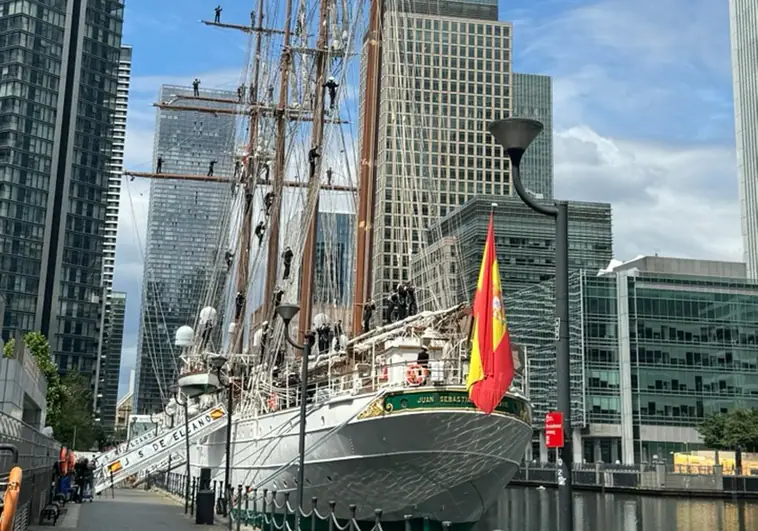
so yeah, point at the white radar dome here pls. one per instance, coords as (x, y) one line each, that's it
(208, 315)
(185, 336)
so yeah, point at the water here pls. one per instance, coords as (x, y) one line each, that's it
(529, 509)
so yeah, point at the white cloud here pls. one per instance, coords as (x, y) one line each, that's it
(642, 111)
(676, 201)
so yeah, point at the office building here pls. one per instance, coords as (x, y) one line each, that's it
(657, 344)
(744, 30)
(335, 243)
(184, 265)
(442, 81)
(525, 243)
(110, 369)
(106, 383)
(533, 98)
(57, 108)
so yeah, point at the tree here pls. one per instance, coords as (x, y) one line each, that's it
(69, 398)
(734, 429)
(76, 427)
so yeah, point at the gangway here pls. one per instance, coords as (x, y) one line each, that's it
(157, 449)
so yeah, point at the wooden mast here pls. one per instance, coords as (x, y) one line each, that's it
(367, 179)
(243, 247)
(279, 166)
(309, 251)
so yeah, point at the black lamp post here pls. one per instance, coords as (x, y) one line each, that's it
(176, 391)
(218, 362)
(515, 135)
(287, 312)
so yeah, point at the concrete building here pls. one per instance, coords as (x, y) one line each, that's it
(656, 345)
(525, 243)
(446, 77)
(57, 111)
(111, 360)
(744, 30)
(186, 222)
(24, 387)
(533, 98)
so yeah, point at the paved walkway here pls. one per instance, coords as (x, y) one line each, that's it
(130, 510)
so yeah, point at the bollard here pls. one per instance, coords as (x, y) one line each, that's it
(314, 513)
(239, 507)
(377, 520)
(332, 505)
(192, 497)
(353, 510)
(407, 519)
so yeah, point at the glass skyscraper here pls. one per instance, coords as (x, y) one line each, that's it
(334, 258)
(110, 368)
(59, 74)
(533, 98)
(744, 29)
(525, 243)
(184, 269)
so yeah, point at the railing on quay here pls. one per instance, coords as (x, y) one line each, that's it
(35, 454)
(652, 477)
(260, 509)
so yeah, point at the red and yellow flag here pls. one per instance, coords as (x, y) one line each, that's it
(491, 366)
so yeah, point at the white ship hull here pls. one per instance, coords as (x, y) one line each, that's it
(430, 455)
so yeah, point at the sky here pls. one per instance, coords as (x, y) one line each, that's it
(643, 115)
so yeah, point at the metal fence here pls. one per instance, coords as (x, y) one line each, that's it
(36, 454)
(267, 511)
(643, 477)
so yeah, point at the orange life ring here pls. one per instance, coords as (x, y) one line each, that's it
(416, 374)
(64, 461)
(273, 402)
(11, 499)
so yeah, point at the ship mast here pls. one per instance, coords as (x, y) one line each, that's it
(280, 159)
(367, 177)
(243, 248)
(309, 251)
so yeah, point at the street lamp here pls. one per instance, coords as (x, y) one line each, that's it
(515, 135)
(287, 312)
(177, 393)
(217, 362)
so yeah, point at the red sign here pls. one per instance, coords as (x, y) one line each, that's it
(554, 430)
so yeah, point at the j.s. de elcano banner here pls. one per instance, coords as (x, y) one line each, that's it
(157, 449)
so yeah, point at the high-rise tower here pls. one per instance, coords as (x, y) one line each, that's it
(744, 29)
(57, 108)
(112, 329)
(533, 98)
(443, 78)
(184, 227)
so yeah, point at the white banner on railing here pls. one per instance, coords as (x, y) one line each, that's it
(156, 450)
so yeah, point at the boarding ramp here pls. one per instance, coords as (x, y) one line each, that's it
(155, 450)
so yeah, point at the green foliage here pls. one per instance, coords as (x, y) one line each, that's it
(737, 428)
(69, 399)
(75, 427)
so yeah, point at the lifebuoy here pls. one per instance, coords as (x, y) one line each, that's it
(385, 374)
(11, 499)
(273, 402)
(416, 374)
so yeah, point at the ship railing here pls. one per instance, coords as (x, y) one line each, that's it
(365, 377)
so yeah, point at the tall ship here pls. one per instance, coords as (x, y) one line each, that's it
(388, 419)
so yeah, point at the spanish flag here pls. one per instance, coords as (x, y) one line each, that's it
(491, 365)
